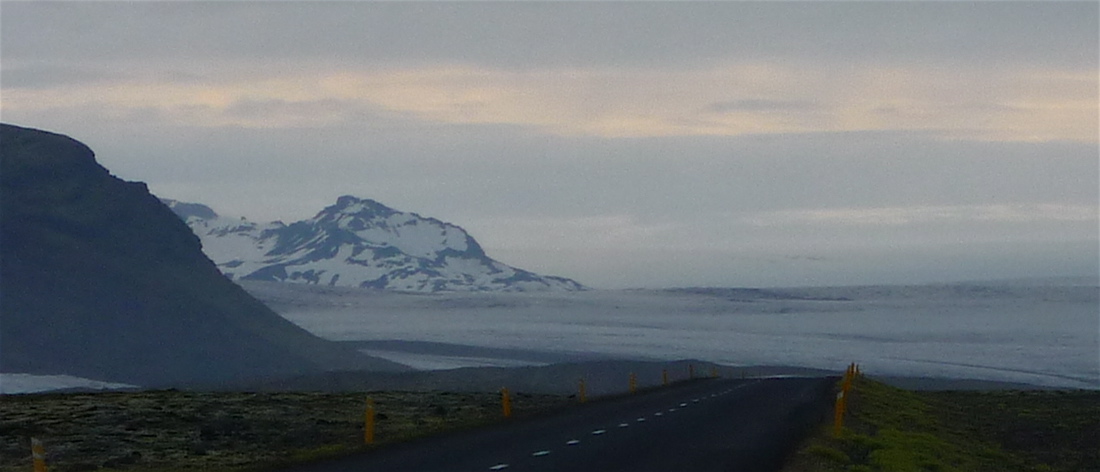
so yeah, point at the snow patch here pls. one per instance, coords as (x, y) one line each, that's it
(360, 243)
(12, 383)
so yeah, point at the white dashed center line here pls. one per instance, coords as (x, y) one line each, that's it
(598, 432)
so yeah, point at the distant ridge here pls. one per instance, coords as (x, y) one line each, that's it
(1066, 281)
(100, 280)
(359, 243)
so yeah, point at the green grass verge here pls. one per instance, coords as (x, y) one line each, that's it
(889, 429)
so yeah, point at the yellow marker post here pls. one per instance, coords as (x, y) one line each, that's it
(38, 452)
(368, 423)
(506, 402)
(633, 382)
(583, 394)
(664, 377)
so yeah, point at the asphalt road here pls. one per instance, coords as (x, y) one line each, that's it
(707, 425)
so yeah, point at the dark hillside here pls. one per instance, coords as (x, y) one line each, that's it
(99, 279)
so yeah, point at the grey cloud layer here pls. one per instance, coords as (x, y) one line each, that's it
(540, 34)
(665, 210)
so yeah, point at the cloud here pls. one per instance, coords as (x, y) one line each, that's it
(1026, 71)
(540, 35)
(50, 76)
(762, 105)
(277, 113)
(617, 136)
(980, 71)
(1006, 105)
(624, 232)
(922, 214)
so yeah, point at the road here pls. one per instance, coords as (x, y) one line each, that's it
(707, 425)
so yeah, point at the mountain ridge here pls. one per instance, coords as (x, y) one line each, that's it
(358, 242)
(101, 280)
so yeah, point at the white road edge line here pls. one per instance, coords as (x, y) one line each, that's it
(640, 420)
(572, 442)
(540, 453)
(499, 467)
(599, 432)
(624, 425)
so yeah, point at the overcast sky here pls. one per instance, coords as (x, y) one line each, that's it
(621, 144)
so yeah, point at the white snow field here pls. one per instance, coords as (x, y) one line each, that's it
(1040, 333)
(30, 383)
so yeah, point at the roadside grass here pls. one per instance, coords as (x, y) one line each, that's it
(162, 431)
(890, 429)
(179, 431)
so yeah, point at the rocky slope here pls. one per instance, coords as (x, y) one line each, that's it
(358, 243)
(101, 280)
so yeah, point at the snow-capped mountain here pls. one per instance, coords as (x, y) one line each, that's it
(358, 243)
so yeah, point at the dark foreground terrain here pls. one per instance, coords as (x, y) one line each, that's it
(180, 431)
(888, 428)
(753, 421)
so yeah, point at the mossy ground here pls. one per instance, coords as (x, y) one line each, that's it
(889, 429)
(181, 431)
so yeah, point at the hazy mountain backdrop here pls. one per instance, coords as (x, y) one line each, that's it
(359, 243)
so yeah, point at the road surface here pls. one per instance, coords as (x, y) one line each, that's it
(708, 425)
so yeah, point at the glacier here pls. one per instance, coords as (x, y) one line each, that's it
(1045, 335)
